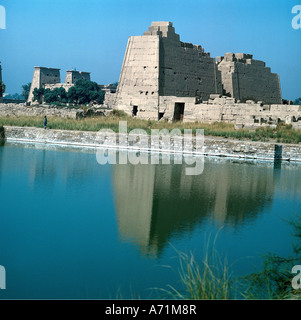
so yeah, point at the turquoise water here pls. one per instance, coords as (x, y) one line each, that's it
(73, 229)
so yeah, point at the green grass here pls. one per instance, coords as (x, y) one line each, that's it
(283, 133)
(208, 279)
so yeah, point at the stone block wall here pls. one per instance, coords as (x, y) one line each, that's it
(72, 76)
(158, 64)
(49, 78)
(246, 114)
(247, 79)
(187, 71)
(42, 76)
(58, 85)
(138, 87)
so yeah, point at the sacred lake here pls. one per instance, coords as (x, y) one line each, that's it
(74, 229)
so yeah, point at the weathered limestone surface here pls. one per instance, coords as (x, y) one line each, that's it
(159, 64)
(139, 79)
(50, 78)
(219, 147)
(72, 76)
(244, 114)
(66, 86)
(160, 72)
(16, 110)
(42, 76)
(185, 69)
(221, 108)
(247, 79)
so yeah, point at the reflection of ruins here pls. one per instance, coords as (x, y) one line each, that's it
(50, 167)
(154, 203)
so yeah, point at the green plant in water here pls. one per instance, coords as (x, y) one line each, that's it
(274, 281)
(208, 279)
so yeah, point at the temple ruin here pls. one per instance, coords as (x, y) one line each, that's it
(245, 79)
(163, 77)
(50, 78)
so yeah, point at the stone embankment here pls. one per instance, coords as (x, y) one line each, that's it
(17, 110)
(212, 146)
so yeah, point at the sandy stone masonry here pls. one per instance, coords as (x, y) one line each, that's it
(50, 78)
(158, 64)
(164, 78)
(247, 79)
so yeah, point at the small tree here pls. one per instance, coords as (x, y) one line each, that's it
(55, 95)
(38, 94)
(2, 88)
(297, 101)
(50, 96)
(85, 91)
(26, 89)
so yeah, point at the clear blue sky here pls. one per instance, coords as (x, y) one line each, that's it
(91, 35)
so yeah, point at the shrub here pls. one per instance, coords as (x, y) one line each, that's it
(85, 91)
(2, 133)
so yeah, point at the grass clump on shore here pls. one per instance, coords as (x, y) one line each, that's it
(208, 279)
(283, 133)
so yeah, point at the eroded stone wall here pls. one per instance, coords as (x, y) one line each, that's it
(72, 76)
(43, 76)
(138, 87)
(49, 78)
(243, 115)
(159, 64)
(247, 79)
(185, 69)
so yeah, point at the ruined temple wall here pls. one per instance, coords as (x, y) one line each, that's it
(35, 83)
(167, 105)
(66, 86)
(72, 76)
(43, 76)
(247, 79)
(139, 79)
(241, 113)
(186, 71)
(49, 76)
(158, 64)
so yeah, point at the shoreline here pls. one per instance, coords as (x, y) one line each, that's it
(213, 146)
